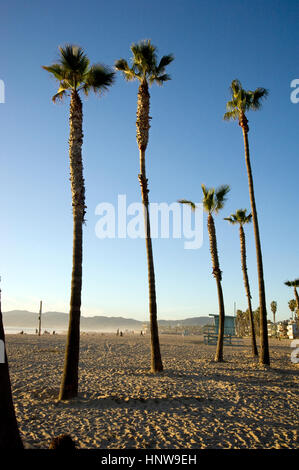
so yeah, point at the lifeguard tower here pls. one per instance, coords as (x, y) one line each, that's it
(211, 331)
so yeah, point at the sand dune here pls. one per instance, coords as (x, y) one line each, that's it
(194, 403)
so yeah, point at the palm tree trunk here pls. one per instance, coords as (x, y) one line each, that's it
(143, 126)
(264, 350)
(297, 304)
(297, 298)
(247, 289)
(218, 276)
(69, 384)
(9, 432)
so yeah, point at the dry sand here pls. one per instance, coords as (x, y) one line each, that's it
(194, 403)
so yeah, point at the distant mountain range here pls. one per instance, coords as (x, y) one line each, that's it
(59, 321)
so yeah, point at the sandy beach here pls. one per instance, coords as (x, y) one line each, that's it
(194, 403)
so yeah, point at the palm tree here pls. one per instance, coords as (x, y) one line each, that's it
(292, 306)
(294, 284)
(273, 306)
(146, 69)
(9, 432)
(75, 75)
(241, 102)
(213, 201)
(241, 218)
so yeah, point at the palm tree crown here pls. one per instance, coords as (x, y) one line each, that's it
(213, 199)
(74, 73)
(145, 66)
(294, 283)
(243, 100)
(240, 217)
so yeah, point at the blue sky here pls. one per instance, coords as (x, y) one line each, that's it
(190, 144)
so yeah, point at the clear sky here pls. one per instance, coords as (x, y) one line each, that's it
(190, 144)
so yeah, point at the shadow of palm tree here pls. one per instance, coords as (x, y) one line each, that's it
(176, 404)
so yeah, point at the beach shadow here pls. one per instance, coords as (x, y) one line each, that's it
(178, 404)
(266, 379)
(170, 373)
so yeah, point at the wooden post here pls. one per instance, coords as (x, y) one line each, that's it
(40, 318)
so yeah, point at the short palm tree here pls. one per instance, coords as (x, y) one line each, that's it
(241, 218)
(213, 202)
(273, 306)
(9, 432)
(294, 284)
(241, 102)
(292, 306)
(75, 75)
(146, 69)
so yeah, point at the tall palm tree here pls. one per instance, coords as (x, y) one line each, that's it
(294, 284)
(241, 102)
(273, 306)
(241, 218)
(213, 201)
(146, 69)
(9, 432)
(75, 75)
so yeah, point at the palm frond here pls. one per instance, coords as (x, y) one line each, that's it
(165, 60)
(128, 73)
(59, 96)
(235, 87)
(294, 283)
(208, 200)
(204, 190)
(230, 219)
(242, 217)
(159, 79)
(220, 198)
(222, 191)
(256, 98)
(229, 115)
(189, 203)
(121, 65)
(56, 70)
(144, 56)
(74, 59)
(99, 78)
